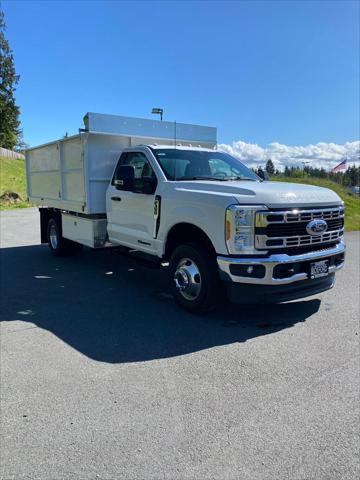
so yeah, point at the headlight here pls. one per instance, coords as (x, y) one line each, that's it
(239, 228)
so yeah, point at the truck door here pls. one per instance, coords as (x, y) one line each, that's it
(130, 209)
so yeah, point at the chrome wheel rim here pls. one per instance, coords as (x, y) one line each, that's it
(187, 279)
(53, 237)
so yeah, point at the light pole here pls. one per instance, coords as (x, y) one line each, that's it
(158, 111)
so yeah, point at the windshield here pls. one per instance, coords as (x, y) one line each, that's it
(198, 165)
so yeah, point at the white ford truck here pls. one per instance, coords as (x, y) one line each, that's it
(164, 189)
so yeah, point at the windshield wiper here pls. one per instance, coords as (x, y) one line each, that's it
(239, 178)
(216, 179)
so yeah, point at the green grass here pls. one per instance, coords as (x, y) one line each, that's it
(13, 178)
(352, 201)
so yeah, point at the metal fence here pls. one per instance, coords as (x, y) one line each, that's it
(4, 152)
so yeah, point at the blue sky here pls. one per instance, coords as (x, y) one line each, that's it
(262, 72)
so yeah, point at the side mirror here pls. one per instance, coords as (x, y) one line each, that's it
(263, 174)
(124, 177)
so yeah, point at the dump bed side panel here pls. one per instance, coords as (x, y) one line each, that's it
(73, 173)
(73, 183)
(55, 175)
(43, 169)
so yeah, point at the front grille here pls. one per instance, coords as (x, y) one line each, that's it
(279, 229)
(291, 229)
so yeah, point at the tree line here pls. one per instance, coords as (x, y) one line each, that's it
(10, 132)
(349, 177)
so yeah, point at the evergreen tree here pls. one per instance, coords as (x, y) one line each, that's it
(260, 172)
(10, 133)
(270, 168)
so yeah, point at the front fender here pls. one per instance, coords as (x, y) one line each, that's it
(209, 218)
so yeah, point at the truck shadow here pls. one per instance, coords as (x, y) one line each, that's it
(112, 308)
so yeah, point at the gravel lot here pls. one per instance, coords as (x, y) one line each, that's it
(102, 376)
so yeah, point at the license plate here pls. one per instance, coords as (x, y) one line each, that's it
(319, 269)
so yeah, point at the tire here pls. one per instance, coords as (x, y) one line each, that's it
(60, 246)
(194, 278)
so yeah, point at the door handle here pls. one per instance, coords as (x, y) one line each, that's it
(116, 199)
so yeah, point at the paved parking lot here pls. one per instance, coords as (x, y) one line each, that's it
(102, 376)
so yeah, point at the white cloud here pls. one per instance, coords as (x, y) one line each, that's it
(325, 155)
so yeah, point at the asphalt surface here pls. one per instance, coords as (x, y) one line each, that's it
(103, 376)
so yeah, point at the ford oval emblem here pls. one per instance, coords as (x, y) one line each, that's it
(316, 227)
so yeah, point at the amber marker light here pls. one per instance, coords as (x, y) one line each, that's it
(228, 225)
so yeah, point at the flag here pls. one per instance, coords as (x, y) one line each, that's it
(341, 166)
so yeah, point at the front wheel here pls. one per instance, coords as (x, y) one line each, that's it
(194, 278)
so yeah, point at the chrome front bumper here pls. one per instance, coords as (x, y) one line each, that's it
(269, 263)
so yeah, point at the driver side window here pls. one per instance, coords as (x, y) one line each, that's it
(143, 173)
(140, 163)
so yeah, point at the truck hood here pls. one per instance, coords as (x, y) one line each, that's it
(271, 194)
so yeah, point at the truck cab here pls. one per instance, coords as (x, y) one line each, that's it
(218, 226)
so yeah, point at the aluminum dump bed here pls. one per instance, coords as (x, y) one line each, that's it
(73, 173)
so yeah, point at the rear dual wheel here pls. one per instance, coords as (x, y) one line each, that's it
(60, 246)
(194, 278)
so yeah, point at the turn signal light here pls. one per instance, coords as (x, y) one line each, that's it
(228, 225)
